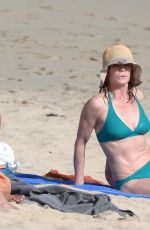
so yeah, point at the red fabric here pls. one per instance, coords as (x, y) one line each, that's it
(55, 174)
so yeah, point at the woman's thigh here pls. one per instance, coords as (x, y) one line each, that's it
(139, 186)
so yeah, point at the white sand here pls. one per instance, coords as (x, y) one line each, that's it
(50, 55)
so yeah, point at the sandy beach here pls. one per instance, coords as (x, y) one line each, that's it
(50, 55)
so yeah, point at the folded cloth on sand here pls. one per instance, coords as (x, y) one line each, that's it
(56, 174)
(68, 200)
(5, 185)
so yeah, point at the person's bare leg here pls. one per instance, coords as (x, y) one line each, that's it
(4, 202)
(140, 186)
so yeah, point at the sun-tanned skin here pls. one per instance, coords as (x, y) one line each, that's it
(124, 156)
(6, 198)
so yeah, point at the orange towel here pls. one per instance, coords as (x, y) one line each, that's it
(5, 185)
(55, 174)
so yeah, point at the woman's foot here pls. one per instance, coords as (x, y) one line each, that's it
(4, 200)
(16, 198)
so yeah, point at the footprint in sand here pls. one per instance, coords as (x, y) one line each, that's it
(147, 28)
(42, 71)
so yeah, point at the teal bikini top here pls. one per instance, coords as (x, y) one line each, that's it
(115, 129)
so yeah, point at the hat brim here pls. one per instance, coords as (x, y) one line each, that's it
(136, 70)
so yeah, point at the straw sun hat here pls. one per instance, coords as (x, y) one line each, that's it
(120, 54)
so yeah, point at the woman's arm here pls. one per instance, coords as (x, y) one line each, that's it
(86, 125)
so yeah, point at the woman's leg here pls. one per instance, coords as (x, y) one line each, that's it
(138, 186)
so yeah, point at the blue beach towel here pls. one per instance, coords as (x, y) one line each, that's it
(109, 190)
(36, 179)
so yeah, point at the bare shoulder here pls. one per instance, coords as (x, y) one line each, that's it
(139, 94)
(93, 107)
(96, 102)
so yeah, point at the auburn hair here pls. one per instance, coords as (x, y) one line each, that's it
(131, 85)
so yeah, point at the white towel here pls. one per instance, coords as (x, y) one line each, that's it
(6, 154)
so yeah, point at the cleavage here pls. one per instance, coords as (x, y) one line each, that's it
(128, 113)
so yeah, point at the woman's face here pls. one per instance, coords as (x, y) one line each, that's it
(119, 74)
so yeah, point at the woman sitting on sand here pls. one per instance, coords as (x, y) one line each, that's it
(120, 124)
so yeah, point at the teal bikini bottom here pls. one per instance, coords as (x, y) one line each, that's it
(141, 173)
